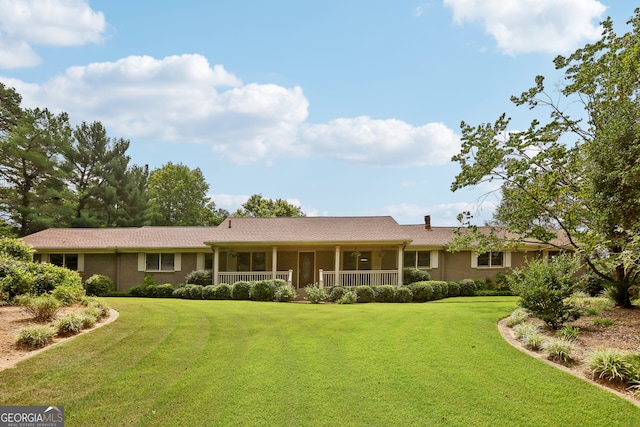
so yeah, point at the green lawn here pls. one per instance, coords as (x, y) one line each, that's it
(191, 363)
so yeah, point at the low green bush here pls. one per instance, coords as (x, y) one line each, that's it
(69, 324)
(222, 291)
(35, 336)
(69, 293)
(440, 289)
(348, 297)
(199, 277)
(164, 291)
(241, 291)
(453, 289)
(384, 293)
(467, 287)
(365, 294)
(43, 308)
(413, 275)
(285, 293)
(403, 294)
(181, 292)
(315, 294)
(208, 292)
(263, 290)
(15, 249)
(336, 293)
(143, 291)
(194, 291)
(48, 276)
(422, 291)
(16, 278)
(99, 285)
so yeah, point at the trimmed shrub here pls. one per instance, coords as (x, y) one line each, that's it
(69, 293)
(17, 278)
(263, 290)
(194, 291)
(164, 291)
(467, 287)
(35, 336)
(222, 291)
(143, 291)
(336, 293)
(453, 289)
(199, 277)
(285, 293)
(403, 294)
(384, 293)
(422, 291)
(99, 285)
(69, 324)
(413, 275)
(208, 292)
(315, 294)
(440, 289)
(43, 308)
(48, 276)
(241, 291)
(349, 297)
(545, 288)
(365, 294)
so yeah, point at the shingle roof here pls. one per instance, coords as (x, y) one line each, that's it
(121, 238)
(310, 229)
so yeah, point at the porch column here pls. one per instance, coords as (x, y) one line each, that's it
(216, 264)
(336, 264)
(274, 262)
(400, 264)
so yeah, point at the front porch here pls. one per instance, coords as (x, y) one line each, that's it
(327, 279)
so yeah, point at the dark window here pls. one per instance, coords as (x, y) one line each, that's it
(417, 259)
(160, 262)
(356, 260)
(258, 261)
(491, 259)
(410, 259)
(57, 259)
(69, 261)
(244, 261)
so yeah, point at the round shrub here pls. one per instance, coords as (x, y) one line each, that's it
(336, 293)
(263, 290)
(349, 297)
(99, 285)
(403, 294)
(199, 277)
(422, 291)
(208, 292)
(454, 289)
(164, 291)
(15, 249)
(180, 292)
(285, 293)
(440, 289)
(69, 293)
(194, 291)
(222, 291)
(385, 293)
(467, 287)
(47, 276)
(241, 290)
(365, 294)
(413, 275)
(17, 279)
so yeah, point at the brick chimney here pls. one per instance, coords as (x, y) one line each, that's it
(427, 222)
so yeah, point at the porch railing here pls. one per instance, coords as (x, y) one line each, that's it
(350, 279)
(231, 277)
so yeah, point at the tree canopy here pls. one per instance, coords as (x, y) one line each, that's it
(258, 206)
(572, 175)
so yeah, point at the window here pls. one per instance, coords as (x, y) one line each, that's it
(252, 261)
(356, 260)
(69, 261)
(417, 259)
(491, 259)
(160, 262)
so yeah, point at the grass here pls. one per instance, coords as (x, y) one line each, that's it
(195, 363)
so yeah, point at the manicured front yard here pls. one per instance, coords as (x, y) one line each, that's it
(181, 362)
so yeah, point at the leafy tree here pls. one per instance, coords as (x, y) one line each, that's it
(32, 187)
(97, 165)
(575, 178)
(258, 206)
(179, 197)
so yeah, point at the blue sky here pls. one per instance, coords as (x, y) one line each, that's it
(345, 108)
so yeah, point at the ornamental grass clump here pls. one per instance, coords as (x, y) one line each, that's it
(517, 316)
(69, 324)
(568, 332)
(35, 336)
(559, 350)
(43, 308)
(522, 330)
(534, 341)
(610, 364)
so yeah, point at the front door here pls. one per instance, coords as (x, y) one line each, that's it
(306, 269)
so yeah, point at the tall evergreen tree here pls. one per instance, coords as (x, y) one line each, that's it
(98, 164)
(133, 208)
(32, 187)
(10, 110)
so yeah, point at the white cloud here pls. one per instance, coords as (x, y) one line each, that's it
(185, 99)
(520, 26)
(24, 23)
(381, 142)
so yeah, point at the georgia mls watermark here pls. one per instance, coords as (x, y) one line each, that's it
(31, 416)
